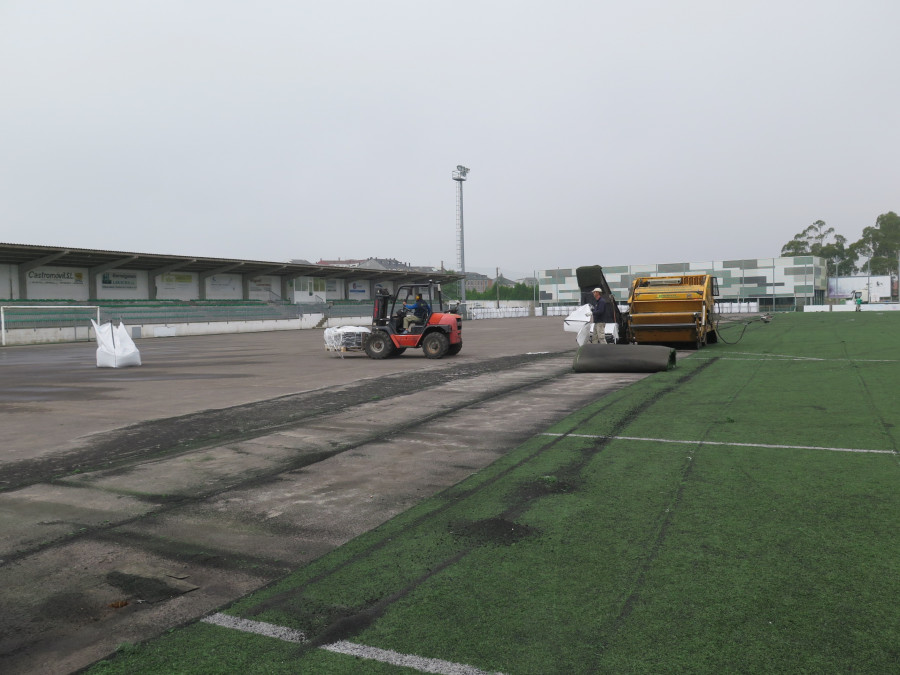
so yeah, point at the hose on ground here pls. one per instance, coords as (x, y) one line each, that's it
(765, 318)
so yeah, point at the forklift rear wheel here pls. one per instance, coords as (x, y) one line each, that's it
(435, 345)
(454, 349)
(379, 345)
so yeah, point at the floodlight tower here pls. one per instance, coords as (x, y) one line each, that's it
(460, 177)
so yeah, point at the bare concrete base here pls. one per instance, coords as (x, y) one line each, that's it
(188, 504)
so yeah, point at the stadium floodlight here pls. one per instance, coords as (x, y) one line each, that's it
(460, 176)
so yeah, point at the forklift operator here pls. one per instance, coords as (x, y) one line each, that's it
(415, 312)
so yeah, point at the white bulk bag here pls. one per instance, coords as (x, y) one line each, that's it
(115, 348)
(576, 320)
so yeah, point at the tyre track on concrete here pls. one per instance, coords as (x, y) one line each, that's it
(161, 495)
(160, 437)
(166, 535)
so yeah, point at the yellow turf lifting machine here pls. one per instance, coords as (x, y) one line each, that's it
(662, 312)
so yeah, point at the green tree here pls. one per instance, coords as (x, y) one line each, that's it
(452, 291)
(840, 259)
(880, 245)
(809, 241)
(517, 292)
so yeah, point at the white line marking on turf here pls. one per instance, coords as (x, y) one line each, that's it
(258, 627)
(781, 357)
(420, 663)
(742, 445)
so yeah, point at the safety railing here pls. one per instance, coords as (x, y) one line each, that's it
(46, 315)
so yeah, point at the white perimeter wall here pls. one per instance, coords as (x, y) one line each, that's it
(851, 307)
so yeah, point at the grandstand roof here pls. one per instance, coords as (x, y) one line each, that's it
(60, 256)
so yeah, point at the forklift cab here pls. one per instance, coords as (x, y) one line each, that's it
(391, 310)
(411, 296)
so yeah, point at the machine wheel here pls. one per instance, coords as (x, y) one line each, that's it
(379, 345)
(700, 342)
(435, 345)
(398, 351)
(700, 339)
(453, 350)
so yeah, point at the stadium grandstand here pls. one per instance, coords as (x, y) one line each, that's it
(48, 289)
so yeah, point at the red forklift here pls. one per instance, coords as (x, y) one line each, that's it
(436, 332)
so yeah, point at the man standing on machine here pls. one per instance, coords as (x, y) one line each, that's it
(598, 315)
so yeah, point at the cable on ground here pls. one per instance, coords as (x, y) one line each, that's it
(765, 318)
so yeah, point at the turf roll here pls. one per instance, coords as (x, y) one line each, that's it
(604, 358)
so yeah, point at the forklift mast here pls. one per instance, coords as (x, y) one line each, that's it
(382, 302)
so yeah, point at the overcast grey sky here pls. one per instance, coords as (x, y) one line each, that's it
(596, 132)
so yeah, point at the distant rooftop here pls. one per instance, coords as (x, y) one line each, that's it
(391, 264)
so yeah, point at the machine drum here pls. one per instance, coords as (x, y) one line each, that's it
(607, 358)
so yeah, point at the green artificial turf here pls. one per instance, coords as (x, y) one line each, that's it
(618, 550)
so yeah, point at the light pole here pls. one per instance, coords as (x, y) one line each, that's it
(869, 281)
(773, 285)
(460, 177)
(805, 283)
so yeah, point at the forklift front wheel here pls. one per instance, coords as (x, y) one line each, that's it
(379, 345)
(435, 345)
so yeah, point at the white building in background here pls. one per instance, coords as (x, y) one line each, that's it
(870, 288)
(773, 282)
